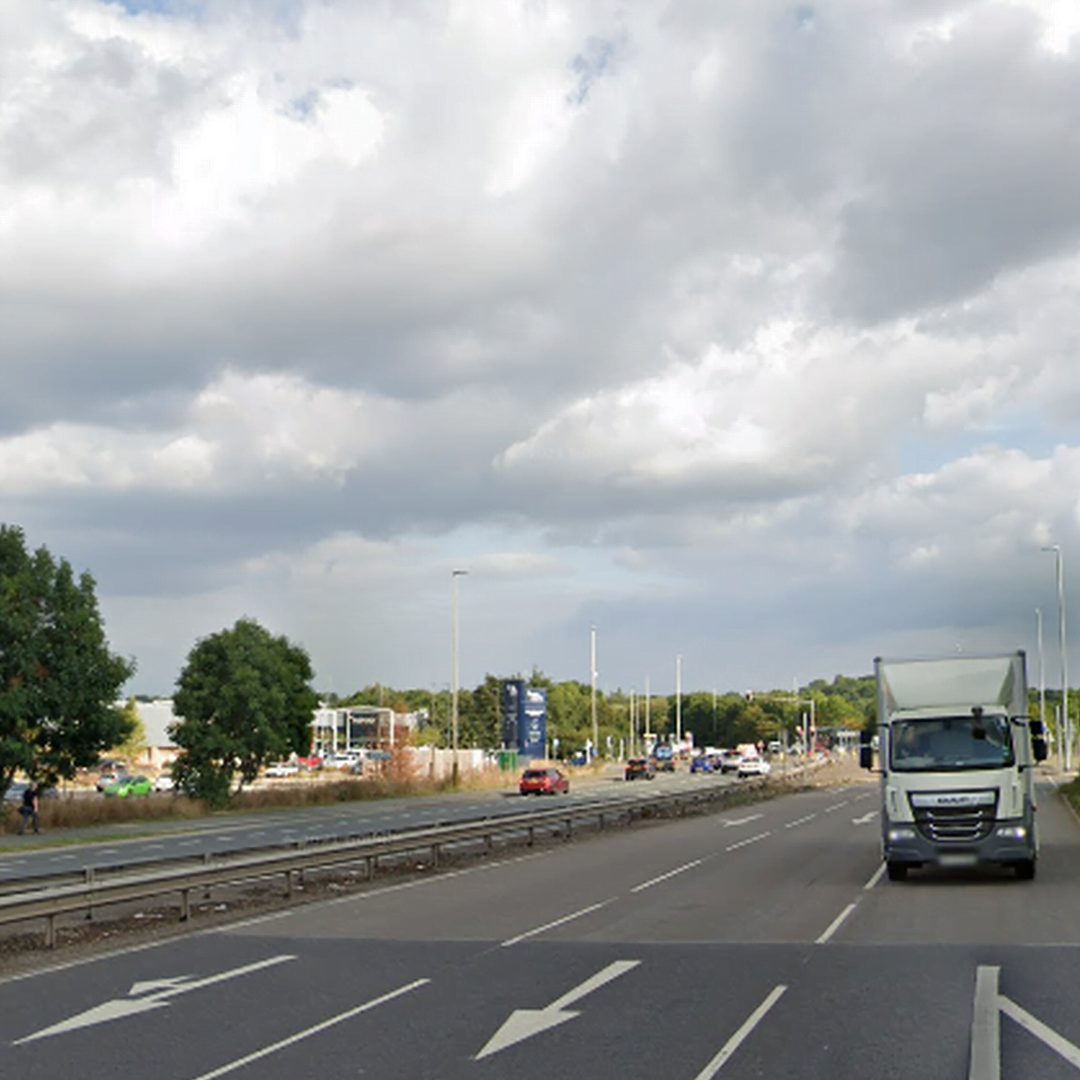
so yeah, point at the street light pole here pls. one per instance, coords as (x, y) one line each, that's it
(454, 575)
(678, 700)
(1042, 665)
(592, 697)
(1066, 724)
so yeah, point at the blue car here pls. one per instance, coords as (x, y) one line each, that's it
(701, 764)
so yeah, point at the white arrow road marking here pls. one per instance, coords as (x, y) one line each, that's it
(742, 821)
(524, 1023)
(865, 819)
(985, 1059)
(163, 989)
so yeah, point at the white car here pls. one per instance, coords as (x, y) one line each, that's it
(754, 766)
(281, 769)
(340, 761)
(164, 783)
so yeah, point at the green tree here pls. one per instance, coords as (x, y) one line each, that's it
(246, 699)
(58, 680)
(135, 744)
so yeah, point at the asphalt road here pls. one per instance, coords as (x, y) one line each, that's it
(761, 942)
(226, 834)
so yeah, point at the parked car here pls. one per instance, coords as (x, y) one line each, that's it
(729, 760)
(129, 786)
(165, 782)
(701, 764)
(753, 766)
(312, 762)
(282, 769)
(664, 757)
(340, 761)
(547, 781)
(579, 757)
(14, 793)
(640, 768)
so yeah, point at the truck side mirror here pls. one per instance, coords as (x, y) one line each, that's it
(866, 750)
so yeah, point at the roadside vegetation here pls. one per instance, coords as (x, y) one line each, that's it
(1071, 791)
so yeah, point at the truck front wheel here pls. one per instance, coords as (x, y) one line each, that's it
(1025, 870)
(897, 871)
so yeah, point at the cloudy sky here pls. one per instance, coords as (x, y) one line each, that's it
(747, 331)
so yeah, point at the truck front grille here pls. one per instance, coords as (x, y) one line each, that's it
(955, 818)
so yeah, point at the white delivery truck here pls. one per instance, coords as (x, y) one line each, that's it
(957, 752)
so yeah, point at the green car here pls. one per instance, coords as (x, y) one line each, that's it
(129, 785)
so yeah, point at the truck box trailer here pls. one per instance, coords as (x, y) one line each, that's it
(957, 754)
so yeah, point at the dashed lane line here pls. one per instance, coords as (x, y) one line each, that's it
(836, 924)
(748, 840)
(663, 877)
(556, 922)
(878, 874)
(835, 806)
(736, 1040)
(800, 821)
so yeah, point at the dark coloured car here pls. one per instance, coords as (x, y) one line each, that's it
(640, 769)
(547, 781)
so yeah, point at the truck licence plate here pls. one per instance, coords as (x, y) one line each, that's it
(957, 859)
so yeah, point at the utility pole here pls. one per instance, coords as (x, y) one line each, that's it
(454, 575)
(1066, 723)
(592, 700)
(678, 700)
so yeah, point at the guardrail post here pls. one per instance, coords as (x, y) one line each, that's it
(89, 872)
(569, 828)
(50, 931)
(206, 862)
(601, 816)
(185, 905)
(369, 867)
(532, 834)
(288, 883)
(489, 842)
(435, 856)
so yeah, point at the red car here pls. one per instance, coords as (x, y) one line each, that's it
(543, 782)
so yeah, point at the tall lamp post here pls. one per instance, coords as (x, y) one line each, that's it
(454, 575)
(1042, 664)
(678, 700)
(1066, 725)
(592, 696)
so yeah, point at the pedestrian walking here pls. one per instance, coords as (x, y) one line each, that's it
(31, 803)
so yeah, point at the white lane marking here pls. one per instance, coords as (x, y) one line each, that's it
(663, 877)
(139, 1000)
(110, 851)
(64, 857)
(308, 1032)
(189, 843)
(984, 1062)
(557, 922)
(835, 924)
(864, 795)
(154, 847)
(865, 819)
(737, 1039)
(878, 874)
(1048, 1035)
(748, 840)
(742, 821)
(524, 1023)
(800, 821)
(835, 806)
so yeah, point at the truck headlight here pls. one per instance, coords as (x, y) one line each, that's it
(1012, 832)
(901, 834)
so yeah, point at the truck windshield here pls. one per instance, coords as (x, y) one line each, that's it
(951, 742)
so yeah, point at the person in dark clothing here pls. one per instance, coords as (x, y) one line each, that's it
(31, 802)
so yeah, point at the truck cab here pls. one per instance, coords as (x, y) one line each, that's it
(957, 753)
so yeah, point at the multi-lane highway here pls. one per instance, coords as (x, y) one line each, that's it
(141, 842)
(759, 942)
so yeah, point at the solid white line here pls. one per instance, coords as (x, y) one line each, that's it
(878, 874)
(835, 925)
(1041, 1032)
(749, 840)
(663, 877)
(308, 1032)
(741, 821)
(737, 1039)
(800, 821)
(558, 922)
(984, 1062)
(836, 806)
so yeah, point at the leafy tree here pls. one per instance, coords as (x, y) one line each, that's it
(58, 679)
(135, 744)
(245, 698)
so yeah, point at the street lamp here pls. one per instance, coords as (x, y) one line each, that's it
(1066, 725)
(592, 697)
(1042, 664)
(454, 575)
(678, 700)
